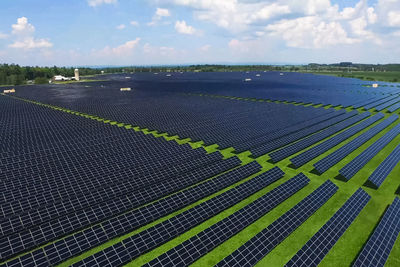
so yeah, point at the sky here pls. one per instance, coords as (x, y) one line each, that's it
(170, 32)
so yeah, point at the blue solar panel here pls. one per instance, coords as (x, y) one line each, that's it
(384, 169)
(313, 252)
(205, 241)
(167, 230)
(387, 104)
(311, 140)
(394, 108)
(377, 249)
(314, 152)
(263, 243)
(356, 164)
(277, 143)
(326, 163)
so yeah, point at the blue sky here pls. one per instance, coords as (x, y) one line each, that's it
(136, 32)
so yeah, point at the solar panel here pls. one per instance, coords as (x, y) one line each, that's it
(384, 169)
(263, 243)
(14, 229)
(313, 252)
(314, 152)
(380, 102)
(377, 249)
(387, 104)
(277, 143)
(200, 244)
(167, 230)
(326, 163)
(269, 136)
(348, 171)
(394, 108)
(309, 141)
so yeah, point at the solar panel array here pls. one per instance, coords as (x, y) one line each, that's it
(171, 228)
(56, 179)
(313, 252)
(200, 244)
(376, 104)
(356, 164)
(285, 140)
(329, 161)
(304, 143)
(377, 249)
(394, 108)
(263, 243)
(387, 104)
(314, 152)
(385, 168)
(71, 184)
(111, 228)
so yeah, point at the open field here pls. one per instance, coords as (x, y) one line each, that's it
(389, 76)
(124, 178)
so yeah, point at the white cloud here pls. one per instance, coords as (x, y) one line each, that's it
(31, 43)
(24, 33)
(394, 18)
(125, 49)
(22, 28)
(94, 3)
(3, 36)
(134, 23)
(158, 16)
(205, 48)
(121, 27)
(162, 12)
(310, 32)
(183, 28)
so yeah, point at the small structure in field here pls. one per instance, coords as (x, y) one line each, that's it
(124, 89)
(9, 91)
(76, 72)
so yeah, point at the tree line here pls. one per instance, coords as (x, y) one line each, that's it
(13, 74)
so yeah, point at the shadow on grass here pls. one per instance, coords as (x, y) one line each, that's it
(314, 171)
(369, 184)
(398, 191)
(340, 177)
(291, 165)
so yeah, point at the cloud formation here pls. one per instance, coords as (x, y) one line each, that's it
(94, 3)
(183, 28)
(24, 36)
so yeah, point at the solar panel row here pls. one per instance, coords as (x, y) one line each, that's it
(77, 243)
(245, 145)
(205, 241)
(387, 104)
(326, 163)
(293, 137)
(394, 108)
(385, 168)
(50, 227)
(263, 243)
(377, 249)
(357, 163)
(366, 102)
(28, 197)
(314, 152)
(313, 252)
(169, 229)
(287, 151)
(380, 102)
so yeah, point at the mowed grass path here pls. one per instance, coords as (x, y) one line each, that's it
(342, 254)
